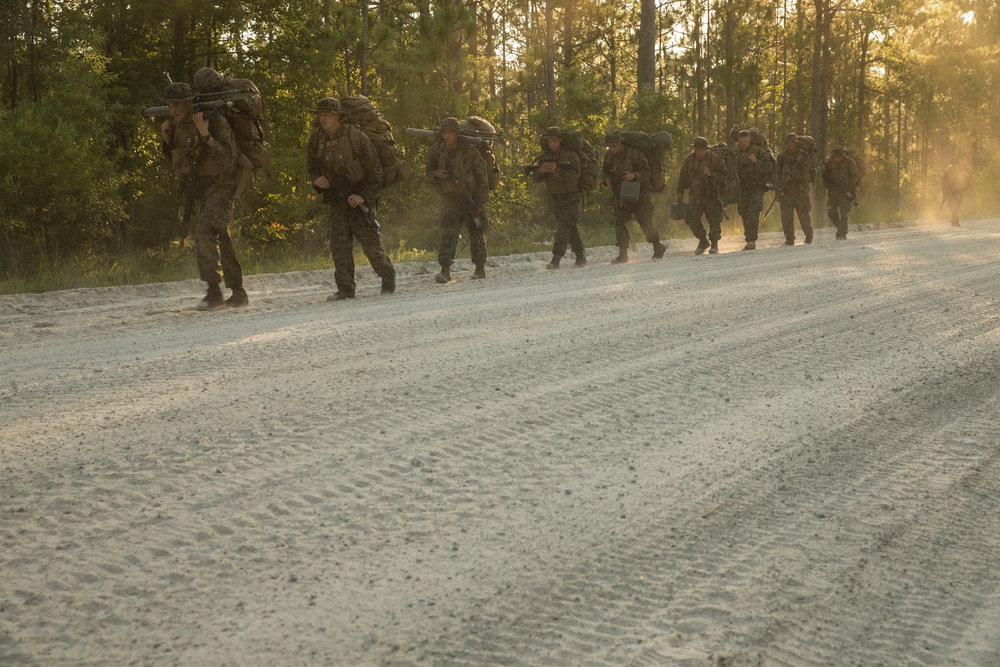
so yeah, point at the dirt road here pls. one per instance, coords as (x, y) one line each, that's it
(780, 457)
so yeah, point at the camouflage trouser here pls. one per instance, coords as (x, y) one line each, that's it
(750, 207)
(344, 226)
(711, 208)
(212, 213)
(790, 205)
(642, 210)
(954, 202)
(838, 206)
(453, 215)
(566, 208)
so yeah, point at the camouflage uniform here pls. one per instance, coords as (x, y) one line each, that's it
(793, 171)
(614, 167)
(954, 182)
(564, 193)
(469, 178)
(753, 184)
(212, 209)
(704, 198)
(841, 181)
(349, 160)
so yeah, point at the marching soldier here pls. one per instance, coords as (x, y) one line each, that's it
(701, 171)
(560, 171)
(955, 180)
(624, 164)
(841, 178)
(753, 166)
(795, 169)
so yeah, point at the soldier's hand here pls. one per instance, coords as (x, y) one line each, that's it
(201, 123)
(607, 181)
(322, 183)
(167, 128)
(752, 158)
(355, 200)
(629, 176)
(680, 196)
(442, 174)
(547, 168)
(707, 170)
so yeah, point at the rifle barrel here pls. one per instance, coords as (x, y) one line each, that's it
(204, 107)
(463, 139)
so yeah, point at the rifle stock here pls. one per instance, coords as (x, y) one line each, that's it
(203, 107)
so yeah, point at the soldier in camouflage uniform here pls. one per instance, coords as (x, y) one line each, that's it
(625, 163)
(560, 171)
(753, 166)
(794, 169)
(701, 172)
(344, 166)
(459, 174)
(955, 180)
(841, 178)
(203, 151)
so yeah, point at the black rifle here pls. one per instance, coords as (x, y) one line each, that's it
(477, 221)
(531, 168)
(340, 190)
(778, 191)
(206, 108)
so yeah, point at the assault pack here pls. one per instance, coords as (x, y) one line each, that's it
(807, 145)
(360, 112)
(245, 116)
(757, 138)
(729, 188)
(654, 148)
(480, 128)
(590, 168)
(855, 155)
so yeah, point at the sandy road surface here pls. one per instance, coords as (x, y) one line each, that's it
(786, 457)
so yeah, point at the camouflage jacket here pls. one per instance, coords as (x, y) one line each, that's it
(615, 166)
(693, 177)
(349, 156)
(466, 168)
(843, 178)
(956, 178)
(566, 178)
(794, 171)
(751, 174)
(184, 146)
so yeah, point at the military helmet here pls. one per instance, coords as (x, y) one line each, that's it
(550, 132)
(179, 91)
(838, 151)
(331, 104)
(699, 142)
(791, 136)
(612, 138)
(207, 80)
(450, 123)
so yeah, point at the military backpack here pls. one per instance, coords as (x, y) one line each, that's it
(855, 155)
(360, 112)
(758, 138)
(807, 145)
(475, 126)
(590, 167)
(654, 148)
(729, 187)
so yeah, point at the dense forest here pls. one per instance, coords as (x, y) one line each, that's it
(909, 84)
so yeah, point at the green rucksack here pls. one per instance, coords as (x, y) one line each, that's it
(654, 148)
(360, 111)
(729, 188)
(590, 167)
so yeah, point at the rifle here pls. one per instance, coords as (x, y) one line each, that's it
(464, 140)
(531, 168)
(778, 191)
(341, 188)
(476, 221)
(206, 108)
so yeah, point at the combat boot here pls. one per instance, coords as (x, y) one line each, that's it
(389, 283)
(444, 275)
(480, 272)
(213, 299)
(581, 259)
(340, 295)
(751, 245)
(238, 299)
(809, 237)
(703, 245)
(554, 264)
(714, 250)
(658, 249)
(622, 257)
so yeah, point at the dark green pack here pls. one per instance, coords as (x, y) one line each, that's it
(654, 148)
(590, 166)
